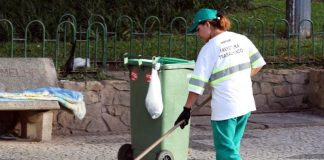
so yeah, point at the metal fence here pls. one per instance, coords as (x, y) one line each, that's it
(106, 48)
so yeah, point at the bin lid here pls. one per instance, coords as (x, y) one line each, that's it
(166, 62)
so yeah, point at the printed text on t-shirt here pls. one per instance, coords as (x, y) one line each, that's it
(230, 50)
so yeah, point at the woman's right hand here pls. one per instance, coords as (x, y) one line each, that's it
(185, 115)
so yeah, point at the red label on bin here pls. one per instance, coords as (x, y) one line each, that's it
(134, 74)
(148, 76)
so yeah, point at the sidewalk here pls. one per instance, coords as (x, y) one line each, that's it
(271, 136)
(268, 137)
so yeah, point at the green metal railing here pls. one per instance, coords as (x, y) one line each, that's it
(43, 36)
(58, 29)
(102, 47)
(185, 50)
(11, 33)
(104, 42)
(131, 29)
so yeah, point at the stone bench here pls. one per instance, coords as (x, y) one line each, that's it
(36, 116)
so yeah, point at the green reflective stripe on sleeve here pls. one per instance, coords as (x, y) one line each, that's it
(229, 71)
(251, 53)
(255, 57)
(196, 88)
(256, 63)
(199, 78)
(197, 82)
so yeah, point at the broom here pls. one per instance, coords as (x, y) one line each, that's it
(148, 149)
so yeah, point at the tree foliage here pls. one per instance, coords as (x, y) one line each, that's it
(50, 11)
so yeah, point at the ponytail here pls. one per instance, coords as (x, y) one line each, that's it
(221, 22)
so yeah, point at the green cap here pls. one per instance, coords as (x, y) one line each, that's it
(202, 15)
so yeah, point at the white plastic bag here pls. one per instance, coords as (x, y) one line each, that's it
(81, 62)
(153, 100)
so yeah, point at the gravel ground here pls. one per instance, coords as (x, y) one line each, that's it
(259, 143)
(267, 144)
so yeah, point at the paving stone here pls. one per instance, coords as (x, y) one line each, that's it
(287, 136)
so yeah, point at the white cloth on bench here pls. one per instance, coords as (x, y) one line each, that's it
(70, 99)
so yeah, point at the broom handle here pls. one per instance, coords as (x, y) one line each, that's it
(170, 131)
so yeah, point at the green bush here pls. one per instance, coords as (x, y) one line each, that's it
(49, 12)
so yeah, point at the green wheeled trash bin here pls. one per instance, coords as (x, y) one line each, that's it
(174, 76)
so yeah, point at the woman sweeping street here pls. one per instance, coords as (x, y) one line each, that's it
(226, 62)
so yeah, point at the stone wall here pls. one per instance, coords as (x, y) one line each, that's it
(276, 91)
(281, 90)
(316, 89)
(107, 104)
(108, 101)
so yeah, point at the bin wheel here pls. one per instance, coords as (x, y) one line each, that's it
(125, 152)
(164, 155)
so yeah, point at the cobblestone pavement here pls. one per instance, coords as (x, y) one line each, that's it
(269, 144)
(262, 141)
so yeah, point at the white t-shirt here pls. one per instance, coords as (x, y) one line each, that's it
(225, 62)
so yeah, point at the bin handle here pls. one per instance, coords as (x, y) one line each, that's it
(140, 61)
(125, 59)
(140, 156)
(155, 64)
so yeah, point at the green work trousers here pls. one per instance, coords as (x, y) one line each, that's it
(227, 137)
